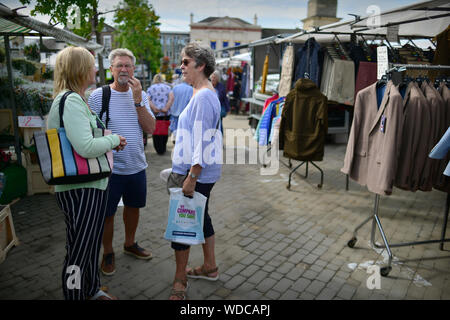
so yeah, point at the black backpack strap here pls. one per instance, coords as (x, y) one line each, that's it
(106, 96)
(61, 108)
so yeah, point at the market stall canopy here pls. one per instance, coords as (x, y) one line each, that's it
(420, 20)
(13, 24)
(235, 60)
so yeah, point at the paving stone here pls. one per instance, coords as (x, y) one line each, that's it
(234, 282)
(283, 285)
(266, 285)
(315, 287)
(326, 294)
(301, 284)
(289, 295)
(258, 277)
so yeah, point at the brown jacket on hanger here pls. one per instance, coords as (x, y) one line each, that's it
(443, 183)
(304, 122)
(437, 114)
(415, 139)
(374, 143)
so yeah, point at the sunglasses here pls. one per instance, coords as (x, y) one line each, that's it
(185, 62)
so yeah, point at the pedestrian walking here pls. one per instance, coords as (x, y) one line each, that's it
(200, 118)
(83, 204)
(128, 114)
(161, 99)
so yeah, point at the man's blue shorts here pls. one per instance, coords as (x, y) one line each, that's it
(131, 188)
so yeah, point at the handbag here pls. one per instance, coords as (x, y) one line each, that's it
(161, 128)
(60, 164)
(186, 216)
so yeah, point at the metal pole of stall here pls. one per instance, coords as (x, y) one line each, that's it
(13, 102)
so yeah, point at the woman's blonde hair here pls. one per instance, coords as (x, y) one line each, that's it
(72, 69)
(157, 78)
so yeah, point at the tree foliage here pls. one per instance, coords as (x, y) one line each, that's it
(138, 30)
(74, 13)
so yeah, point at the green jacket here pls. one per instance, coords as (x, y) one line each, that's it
(304, 122)
(78, 123)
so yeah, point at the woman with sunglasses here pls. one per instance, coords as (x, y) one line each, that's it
(198, 152)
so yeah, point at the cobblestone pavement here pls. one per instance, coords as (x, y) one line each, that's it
(271, 243)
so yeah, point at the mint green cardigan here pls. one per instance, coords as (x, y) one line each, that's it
(78, 123)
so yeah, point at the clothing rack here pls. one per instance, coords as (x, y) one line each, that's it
(376, 219)
(306, 75)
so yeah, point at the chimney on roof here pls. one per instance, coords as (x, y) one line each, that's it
(192, 18)
(255, 20)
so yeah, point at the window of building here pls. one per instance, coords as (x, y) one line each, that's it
(107, 42)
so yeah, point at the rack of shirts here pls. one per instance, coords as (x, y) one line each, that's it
(393, 131)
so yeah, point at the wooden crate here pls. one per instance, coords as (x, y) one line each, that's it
(35, 181)
(8, 237)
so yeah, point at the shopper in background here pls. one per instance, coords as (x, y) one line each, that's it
(222, 95)
(160, 102)
(202, 115)
(83, 204)
(182, 93)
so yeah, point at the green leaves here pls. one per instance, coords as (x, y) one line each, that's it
(138, 30)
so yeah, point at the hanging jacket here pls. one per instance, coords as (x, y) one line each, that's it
(287, 69)
(311, 64)
(415, 139)
(304, 122)
(373, 146)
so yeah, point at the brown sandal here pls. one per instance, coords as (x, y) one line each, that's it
(203, 274)
(180, 294)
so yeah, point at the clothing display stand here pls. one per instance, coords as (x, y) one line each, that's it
(306, 173)
(289, 165)
(306, 76)
(375, 218)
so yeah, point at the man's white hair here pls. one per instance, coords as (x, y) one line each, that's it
(121, 52)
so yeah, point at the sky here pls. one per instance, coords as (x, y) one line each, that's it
(284, 14)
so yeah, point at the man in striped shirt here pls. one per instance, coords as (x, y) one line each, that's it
(129, 115)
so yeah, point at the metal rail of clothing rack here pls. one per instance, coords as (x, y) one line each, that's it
(375, 217)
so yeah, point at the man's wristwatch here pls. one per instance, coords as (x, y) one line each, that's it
(193, 175)
(138, 104)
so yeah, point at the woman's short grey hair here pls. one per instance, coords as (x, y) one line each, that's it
(216, 73)
(203, 55)
(121, 52)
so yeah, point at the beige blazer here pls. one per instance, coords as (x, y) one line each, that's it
(415, 139)
(372, 151)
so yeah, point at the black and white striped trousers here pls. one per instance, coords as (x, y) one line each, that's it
(84, 211)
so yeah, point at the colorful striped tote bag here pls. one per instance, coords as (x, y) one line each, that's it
(61, 164)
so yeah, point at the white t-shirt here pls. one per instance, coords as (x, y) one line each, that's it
(123, 120)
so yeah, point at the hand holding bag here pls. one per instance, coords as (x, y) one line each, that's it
(60, 164)
(186, 216)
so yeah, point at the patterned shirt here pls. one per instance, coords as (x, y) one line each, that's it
(158, 93)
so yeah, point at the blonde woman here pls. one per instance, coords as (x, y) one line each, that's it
(161, 98)
(83, 204)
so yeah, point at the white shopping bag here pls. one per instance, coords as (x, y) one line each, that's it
(185, 221)
(164, 174)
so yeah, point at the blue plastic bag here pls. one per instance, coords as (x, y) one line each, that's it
(185, 221)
